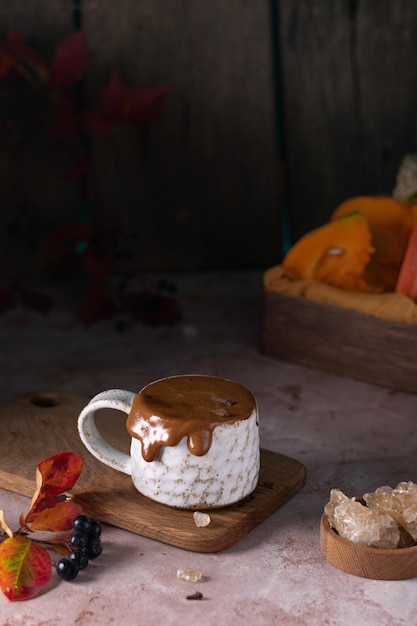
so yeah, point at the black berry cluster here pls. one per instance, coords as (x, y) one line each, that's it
(85, 544)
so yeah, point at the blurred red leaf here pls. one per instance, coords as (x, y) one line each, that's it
(115, 99)
(147, 105)
(69, 61)
(96, 306)
(119, 106)
(24, 568)
(26, 60)
(54, 476)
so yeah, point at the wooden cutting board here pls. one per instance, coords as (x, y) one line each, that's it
(38, 425)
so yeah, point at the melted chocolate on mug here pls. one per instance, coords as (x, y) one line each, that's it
(167, 410)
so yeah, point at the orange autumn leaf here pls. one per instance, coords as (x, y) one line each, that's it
(54, 476)
(24, 568)
(58, 518)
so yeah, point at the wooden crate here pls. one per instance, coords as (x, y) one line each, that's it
(341, 341)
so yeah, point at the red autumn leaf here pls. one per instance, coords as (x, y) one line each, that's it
(69, 61)
(54, 476)
(147, 105)
(96, 306)
(24, 568)
(58, 518)
(59, 472)
(26, 61)
(119, 106)
(115, 99)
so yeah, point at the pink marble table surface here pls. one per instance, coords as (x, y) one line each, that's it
(347, 433)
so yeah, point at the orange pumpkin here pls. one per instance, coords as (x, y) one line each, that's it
(407, 279)
(336, 253)
(390, 223)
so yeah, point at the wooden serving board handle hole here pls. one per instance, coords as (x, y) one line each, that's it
(45, 399)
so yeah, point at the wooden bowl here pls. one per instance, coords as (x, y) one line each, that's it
(375, 563)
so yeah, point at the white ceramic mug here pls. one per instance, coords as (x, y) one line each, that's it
(195, 440)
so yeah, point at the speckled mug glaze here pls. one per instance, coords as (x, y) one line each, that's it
(177, 477)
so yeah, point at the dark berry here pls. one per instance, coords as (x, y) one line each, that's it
(95, 529)
(78, 540)
(80, 558)
(94, 548)
(67, 569)
(82, 524)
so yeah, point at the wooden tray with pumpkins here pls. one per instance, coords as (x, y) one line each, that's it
(344, 297)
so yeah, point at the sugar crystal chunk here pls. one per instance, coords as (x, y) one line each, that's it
(400, 503)
(201, 519)
(189, 574)
(361, 524)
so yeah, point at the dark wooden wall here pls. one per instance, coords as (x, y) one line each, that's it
(278, 111)
(202, 191)
(349, 90)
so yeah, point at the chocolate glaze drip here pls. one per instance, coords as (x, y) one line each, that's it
(186, 406)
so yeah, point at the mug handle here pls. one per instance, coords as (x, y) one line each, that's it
(118, 399)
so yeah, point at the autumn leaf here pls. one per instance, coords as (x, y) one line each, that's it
(114, 106)
(147, 105)
(59, 472)
(69, 61)
(119, 106)
(24, 568)
(57, 518)
(17, 55)
(115, 99)
(54, 476)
